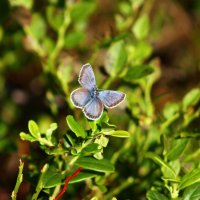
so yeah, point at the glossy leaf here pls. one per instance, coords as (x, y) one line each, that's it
(76, 127)
(190, 178)
(82, 10)
(118, 133)
(95, 165)
(52, 178)
(82, 176)
(50, 130)
(138, 53)
(26, 3)
(155, 195)
(141, 27)
(34, 129)
(192, 192)
(102, 141)
(27, 137)
(170, 109)
(55, 17)
(166, 167)
(73, 39)
(191, 98)
(116, 58)
(177, 148)
(37, 27)
(137, 72)
(91, 148)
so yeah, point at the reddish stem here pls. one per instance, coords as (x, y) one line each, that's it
(67, 181)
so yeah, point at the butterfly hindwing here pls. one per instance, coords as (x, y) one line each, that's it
(86, 77)
(80, 97)
(111, 98)
(94, 109)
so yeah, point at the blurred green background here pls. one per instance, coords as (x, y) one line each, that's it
(42, 49)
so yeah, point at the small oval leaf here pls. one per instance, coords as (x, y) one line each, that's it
(96, 165)
(191, 98)
(76, 127)
(83, 176)
(28, 137)
(141, 27)
(190, 178)
(116, 58)
(166, 167)
(34, 129)
(118, 133)
(192, 192)
(155, 195)
(137, 72)
(90, 148)
(177, 148)
(52, 177)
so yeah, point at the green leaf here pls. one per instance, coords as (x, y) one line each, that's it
(73, 39)
(37, 27)
(102, 141)
(52, 177)
(167, 169)
(191, 98)
(82, 10)
(76, 127)
(177, 148)
(95, 165)
(138, 53)
(27, 137)
(141, 27)
(192, 192)
(91, 148)
(125, 8)
(55, 17)
(190, 178)
(170, 110)
(82, 176)
(49, 131)
(118, 133)
(26, 3)
(116, 58)
(34, 129)
(137, 72)
(155, 195)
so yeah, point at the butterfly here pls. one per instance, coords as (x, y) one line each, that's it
(91, 99)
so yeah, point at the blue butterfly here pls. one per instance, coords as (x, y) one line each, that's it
(91, 99)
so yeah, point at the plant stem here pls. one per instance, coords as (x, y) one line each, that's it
(55, 192)
(147, 92)
(40, 182)
(61, 36)
(19, 180)
(169, 121)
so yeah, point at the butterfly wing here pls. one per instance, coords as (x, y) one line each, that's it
(80, 97)
(111, 98)
(86, 77)
(94, 109)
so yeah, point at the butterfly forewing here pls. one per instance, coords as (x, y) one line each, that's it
(93, 110)
(86, 77)
(80, 97)
(111, 98)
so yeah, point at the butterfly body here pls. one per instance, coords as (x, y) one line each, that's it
(94, 93)
(91, 99)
